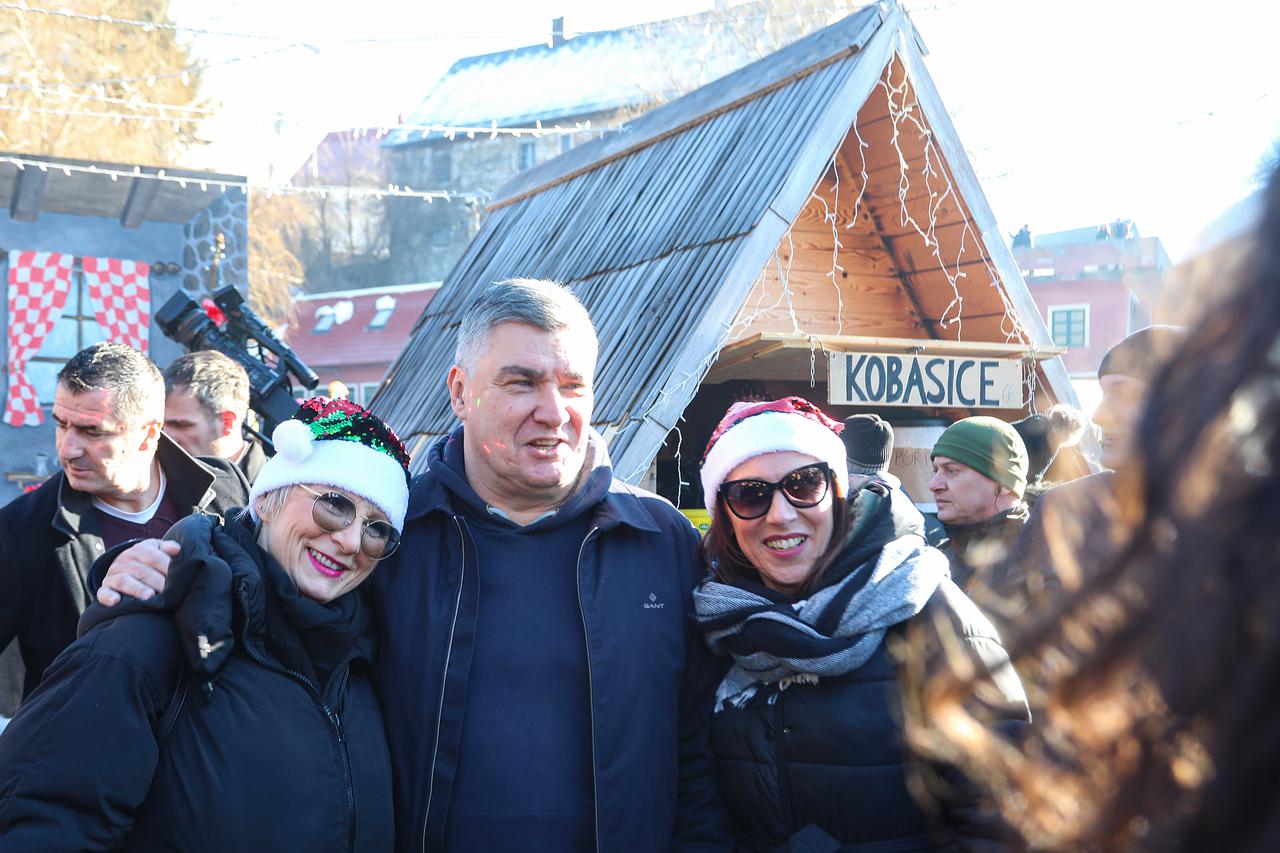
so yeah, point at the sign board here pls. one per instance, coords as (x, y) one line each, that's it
(946, 381)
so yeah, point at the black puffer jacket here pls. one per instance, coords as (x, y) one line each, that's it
(186, 730)
(826, 762)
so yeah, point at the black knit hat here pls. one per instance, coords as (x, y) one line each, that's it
(1141, 354)
(868, 442)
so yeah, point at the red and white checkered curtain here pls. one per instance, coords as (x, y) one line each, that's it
(38, 286)
(120, 294)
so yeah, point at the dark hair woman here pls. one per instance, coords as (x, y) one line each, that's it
(240, 715)
(1162, 667)
(809, 586)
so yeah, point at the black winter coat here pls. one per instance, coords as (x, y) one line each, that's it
(828, 758)
(50, 538)
(183, 730)
(976, 550)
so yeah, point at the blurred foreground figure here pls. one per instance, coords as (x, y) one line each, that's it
(1162, 671)
(1071, 532)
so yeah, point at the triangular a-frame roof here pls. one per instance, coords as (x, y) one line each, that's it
(681, 233)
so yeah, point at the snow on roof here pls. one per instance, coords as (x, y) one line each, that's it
(583, 75)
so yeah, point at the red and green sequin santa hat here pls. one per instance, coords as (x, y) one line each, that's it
(337, 443)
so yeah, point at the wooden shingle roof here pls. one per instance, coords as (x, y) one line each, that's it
(663, 232)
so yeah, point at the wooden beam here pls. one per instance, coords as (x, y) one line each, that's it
(860, 343)
(142, 192)
(28, 193)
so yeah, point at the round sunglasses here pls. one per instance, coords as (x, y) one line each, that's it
(803, 488)
(333, 511)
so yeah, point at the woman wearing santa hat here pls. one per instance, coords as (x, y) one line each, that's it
(813, 593)
(235, 711)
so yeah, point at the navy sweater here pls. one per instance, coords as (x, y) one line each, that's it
(524, 779)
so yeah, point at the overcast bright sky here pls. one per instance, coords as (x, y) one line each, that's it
(1074, 113)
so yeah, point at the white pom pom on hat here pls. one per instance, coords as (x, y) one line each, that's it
(293, 440)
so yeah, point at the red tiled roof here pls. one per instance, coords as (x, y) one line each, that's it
(353, 342)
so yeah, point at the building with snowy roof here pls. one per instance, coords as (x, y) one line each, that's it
(575, 88)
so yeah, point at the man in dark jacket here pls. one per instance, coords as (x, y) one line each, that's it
(206, 400)
(121, 478)
(979, 474)
(541, 681)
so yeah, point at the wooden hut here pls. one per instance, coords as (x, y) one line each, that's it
(754, 238)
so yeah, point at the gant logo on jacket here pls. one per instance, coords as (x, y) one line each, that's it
(653, 603)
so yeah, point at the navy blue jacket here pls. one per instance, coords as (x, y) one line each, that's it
(651, 678)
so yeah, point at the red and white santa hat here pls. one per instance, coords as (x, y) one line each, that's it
(753, 429)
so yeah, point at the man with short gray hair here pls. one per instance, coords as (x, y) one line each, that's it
(541, 680)
(206, 402)
(121, 479)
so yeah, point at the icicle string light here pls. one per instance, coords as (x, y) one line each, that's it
(389, 191)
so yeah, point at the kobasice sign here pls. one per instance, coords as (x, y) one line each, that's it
(891, 379)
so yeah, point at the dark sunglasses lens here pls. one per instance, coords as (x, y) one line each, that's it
(749, 499)
(379, 540)
(805, 486)
(332, 511)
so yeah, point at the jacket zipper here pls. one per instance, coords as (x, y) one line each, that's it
(444, 681)
(330, 715)
(335, 718)
(591, 700)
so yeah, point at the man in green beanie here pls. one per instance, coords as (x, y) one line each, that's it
(979, 476)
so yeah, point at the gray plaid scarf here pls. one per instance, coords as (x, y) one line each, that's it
(834, 631)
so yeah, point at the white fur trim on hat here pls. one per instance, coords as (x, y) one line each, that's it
(347, 465)
(772, 432)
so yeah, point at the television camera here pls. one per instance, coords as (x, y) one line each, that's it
(226, 323)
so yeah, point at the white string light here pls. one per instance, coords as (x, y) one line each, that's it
(389, 191)
(693, 22)
(446, 131)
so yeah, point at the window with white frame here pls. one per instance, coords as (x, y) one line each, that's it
(382, 311)
(1069, 325)
(367, 390)
(75, 330)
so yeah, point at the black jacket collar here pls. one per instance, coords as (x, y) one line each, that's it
(188, 481)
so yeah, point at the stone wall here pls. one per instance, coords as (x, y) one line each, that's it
(229, 214)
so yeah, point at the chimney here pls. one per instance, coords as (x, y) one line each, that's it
(557, 31)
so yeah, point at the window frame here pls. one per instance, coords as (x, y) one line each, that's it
(79, 291)
(1068, 309)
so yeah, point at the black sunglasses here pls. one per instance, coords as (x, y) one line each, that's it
(332, 511)
(804, 487)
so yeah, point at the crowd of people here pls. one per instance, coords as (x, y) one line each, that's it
(514, 650)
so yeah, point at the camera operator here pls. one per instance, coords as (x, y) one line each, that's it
(121, 479)
(206, 399)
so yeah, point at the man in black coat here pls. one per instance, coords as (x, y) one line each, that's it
(979, 477)
(121, 479)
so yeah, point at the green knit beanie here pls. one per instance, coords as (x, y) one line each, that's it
(989, 446)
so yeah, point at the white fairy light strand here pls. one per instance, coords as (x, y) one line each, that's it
(446, 131)
(390, 191)
(153, 26)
